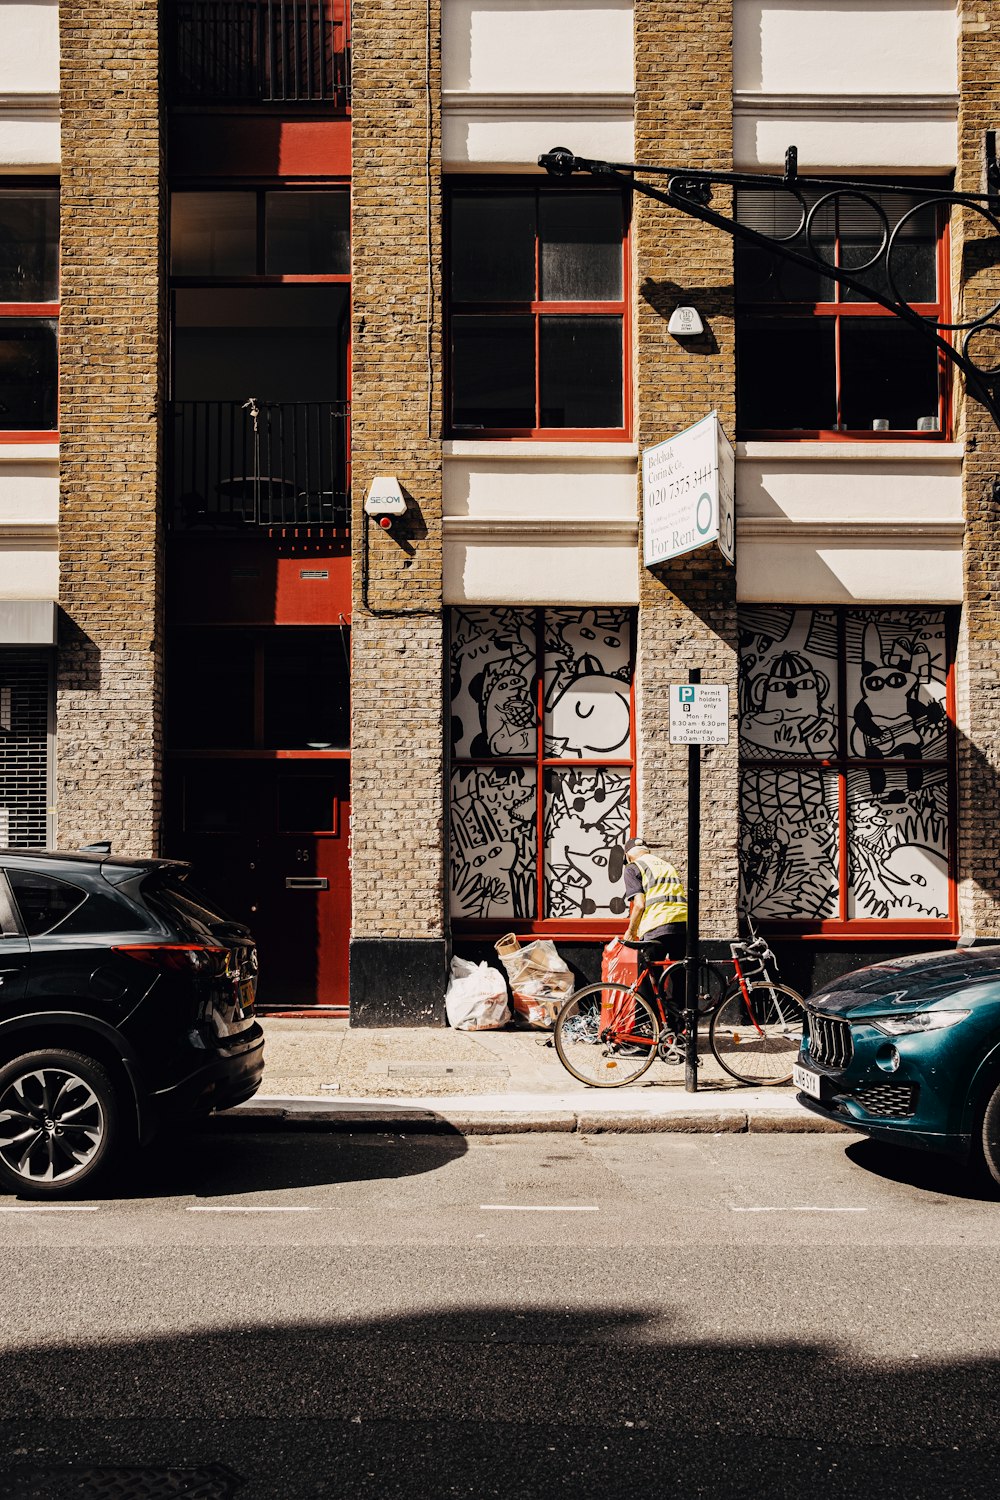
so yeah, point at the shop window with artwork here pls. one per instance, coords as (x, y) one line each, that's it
(846, 779)
(542, 767)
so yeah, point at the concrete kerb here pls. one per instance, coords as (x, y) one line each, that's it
(508, 1115)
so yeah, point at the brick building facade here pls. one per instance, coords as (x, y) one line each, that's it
(239, 360)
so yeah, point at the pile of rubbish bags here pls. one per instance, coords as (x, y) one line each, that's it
(540, 982)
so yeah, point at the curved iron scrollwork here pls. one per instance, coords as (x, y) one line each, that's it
(691, 192)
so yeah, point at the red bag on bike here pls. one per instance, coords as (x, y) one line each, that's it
(621, 965)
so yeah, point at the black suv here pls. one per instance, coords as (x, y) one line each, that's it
(125, 998)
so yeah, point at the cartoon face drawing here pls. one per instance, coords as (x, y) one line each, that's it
(591, 716)
(916, 875)
(764, 849)
(791, 688)
(600, 871)
(597, 648)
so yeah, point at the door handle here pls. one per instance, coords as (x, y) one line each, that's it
(306, 883)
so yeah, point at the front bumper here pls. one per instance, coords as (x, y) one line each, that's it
(899, 1132)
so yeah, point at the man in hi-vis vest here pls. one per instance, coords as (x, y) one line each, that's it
(658, 909)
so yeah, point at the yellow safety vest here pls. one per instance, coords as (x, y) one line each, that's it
(663, 891)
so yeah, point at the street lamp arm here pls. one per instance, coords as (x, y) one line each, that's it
(689, 190)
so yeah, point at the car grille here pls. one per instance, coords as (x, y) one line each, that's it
(888, 1100)
(830, 1042)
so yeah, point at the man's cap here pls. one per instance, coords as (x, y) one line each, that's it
(637, 843)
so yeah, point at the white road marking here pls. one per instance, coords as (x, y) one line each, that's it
(796, 1208)
(540, 1208)
(49, 1208)
(250, 1208)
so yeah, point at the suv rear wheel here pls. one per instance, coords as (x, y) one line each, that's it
(60, 1123)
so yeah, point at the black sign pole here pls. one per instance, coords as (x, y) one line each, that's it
(693, 883)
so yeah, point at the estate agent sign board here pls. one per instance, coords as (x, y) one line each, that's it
(688, 493)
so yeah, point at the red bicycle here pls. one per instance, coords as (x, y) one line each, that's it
(608, 1034)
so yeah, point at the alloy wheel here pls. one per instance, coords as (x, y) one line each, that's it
(52, 1125)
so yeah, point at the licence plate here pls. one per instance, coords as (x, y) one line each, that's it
(805, 1079)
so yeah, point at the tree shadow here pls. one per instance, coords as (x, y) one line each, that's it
(521, 1400)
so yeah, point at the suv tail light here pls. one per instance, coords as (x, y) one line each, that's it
(177, 956)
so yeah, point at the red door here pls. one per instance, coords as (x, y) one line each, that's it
(269, 840)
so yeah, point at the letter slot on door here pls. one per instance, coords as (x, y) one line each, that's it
(306, 883)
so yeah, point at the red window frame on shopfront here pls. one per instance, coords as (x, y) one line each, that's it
(842, 926)
(536, 309)
(581, 928)
(39, 311)
(840, 311)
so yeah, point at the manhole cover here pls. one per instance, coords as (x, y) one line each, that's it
(104, 1482)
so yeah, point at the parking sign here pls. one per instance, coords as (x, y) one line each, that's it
(699, 714)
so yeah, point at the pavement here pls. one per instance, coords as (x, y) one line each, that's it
(491, 1083)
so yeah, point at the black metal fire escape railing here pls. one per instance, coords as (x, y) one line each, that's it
(259, 52)
(253, 464)
(970, 344)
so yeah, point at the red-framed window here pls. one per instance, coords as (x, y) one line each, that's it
(847, 769)
(538, 328)
(29, 310)
(542, 768)
(298, 231)
(815, 361)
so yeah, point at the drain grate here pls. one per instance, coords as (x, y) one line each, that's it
(100, 1482)
(437, 1069)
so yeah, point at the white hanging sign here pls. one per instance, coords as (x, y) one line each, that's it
(688, 493)
(699, 714)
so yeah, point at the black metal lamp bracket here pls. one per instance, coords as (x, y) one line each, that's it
(690, 191)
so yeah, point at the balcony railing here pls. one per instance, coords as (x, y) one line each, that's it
(259, 464)
(259, 52)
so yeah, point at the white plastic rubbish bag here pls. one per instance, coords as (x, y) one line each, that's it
(540, 980)
(476, 998)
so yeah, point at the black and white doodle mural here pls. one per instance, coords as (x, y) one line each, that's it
(868, 689)
(788, 683)
(493, 683)
(588, 674)
(586, 825)
(581, 661)
(789, 843)
(493, 841)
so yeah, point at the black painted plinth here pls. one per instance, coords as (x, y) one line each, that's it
(398, 981)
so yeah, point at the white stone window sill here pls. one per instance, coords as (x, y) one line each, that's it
(546, 452)
(32, 453)
(832, 453)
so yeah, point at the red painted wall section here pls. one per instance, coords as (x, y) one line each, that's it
(235, 144)
(274, 581)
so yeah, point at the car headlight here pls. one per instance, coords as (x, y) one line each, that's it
(920, 1020)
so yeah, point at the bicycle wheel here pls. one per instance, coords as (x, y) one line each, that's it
(712, 985)
(606, 1035)
(756, 1037)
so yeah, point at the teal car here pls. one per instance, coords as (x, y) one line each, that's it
(909, 1051)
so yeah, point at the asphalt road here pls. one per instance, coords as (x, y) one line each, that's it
(552, 1315)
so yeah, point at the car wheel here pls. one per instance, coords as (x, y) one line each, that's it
(60, 1123)
(991, 1134)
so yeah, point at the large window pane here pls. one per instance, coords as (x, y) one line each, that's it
(581, 372)
(493, 247)
(898, 855)
(210, 690)
(213, 234)
(281, 343)
(586, 825)
(493, 702)
(28, 375)
(494, 842)
(580, 247)
(765, 277)
(914, 256)
(789, 843)
(786, 374)
(493, 371)
(897, 665)
(888, 373)
(788, 683)
(588, 672)
(29, 245)
(307, 234)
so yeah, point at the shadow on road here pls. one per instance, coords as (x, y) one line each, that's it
(926, 1170)
(221, 1158)
(499, 1401)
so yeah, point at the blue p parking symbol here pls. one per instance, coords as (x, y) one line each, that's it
(687, 694)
